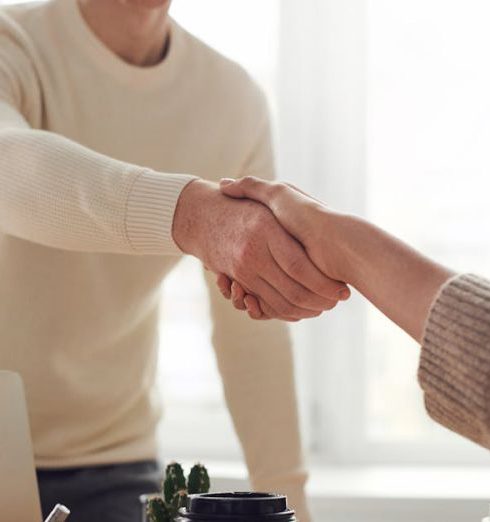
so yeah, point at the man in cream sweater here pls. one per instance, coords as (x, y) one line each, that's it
(100, 102)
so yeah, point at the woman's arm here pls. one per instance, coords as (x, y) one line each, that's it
(397, 279)
(394, 277)
(449, 315)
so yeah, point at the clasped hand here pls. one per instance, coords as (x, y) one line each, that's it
(260, 265)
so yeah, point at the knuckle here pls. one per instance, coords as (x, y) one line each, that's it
(276, 189)
(236, 304)
(248, 181)
(244, 256)
(267, 310)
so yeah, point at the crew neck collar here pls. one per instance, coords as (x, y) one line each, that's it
(136, 76)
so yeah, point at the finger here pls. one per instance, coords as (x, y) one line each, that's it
(294, 261)
(224, 285)
(248, 187)
(295, 292)
(268, 313)
(278, 306)
(237, 296)
(253, 307)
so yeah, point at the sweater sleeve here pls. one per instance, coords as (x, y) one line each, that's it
(60, 194)
(454, 370)
(255, 361)
(256, 365)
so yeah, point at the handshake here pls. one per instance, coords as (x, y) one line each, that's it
(275, 250)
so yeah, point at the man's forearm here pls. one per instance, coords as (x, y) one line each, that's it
(397, 279)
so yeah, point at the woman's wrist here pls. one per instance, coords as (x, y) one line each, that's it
(341, 237)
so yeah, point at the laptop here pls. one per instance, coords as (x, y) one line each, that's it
(19, 496)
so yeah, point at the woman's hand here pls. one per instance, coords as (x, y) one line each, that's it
(305, 218)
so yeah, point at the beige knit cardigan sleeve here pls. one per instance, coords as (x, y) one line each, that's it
(454, 369)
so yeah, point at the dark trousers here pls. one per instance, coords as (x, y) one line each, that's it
(101, 493)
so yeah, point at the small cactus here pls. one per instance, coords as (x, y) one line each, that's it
(198, 481)
(174, 481)
(179, 501)
(157, 511)
(175, 491)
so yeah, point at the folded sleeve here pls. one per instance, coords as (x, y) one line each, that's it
(454, 370)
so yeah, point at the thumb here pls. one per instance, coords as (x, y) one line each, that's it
(248, 187)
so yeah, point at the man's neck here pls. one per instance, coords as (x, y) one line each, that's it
(137, 34)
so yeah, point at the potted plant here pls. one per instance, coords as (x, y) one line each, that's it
(164, 507)
(188, 500)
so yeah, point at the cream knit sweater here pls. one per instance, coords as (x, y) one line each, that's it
(87, 143)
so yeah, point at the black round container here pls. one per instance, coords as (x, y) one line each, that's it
(239, 507)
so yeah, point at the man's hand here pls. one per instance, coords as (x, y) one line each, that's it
(242, 240)
(305, 218)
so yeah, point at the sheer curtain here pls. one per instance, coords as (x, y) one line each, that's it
(383, 110)
(428, 169)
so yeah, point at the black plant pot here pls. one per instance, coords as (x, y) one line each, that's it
(236, 507)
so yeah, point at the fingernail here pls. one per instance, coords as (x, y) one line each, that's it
(226, 181)
(344, 294)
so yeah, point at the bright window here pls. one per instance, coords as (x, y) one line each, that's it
(428, 173)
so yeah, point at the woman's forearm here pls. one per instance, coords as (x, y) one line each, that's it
(398, 280)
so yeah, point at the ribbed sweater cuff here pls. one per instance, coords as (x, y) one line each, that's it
(454, 369)
(150, 212)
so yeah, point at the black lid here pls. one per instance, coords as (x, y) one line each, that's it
(238, 506)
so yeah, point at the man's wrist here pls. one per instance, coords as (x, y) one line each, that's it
(185, 226)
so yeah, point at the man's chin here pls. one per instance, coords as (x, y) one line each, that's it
(149, 4)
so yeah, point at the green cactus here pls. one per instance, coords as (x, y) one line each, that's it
(198, 481)
(157, 511)
(174, 481)
(175, 491)
(179, 501)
